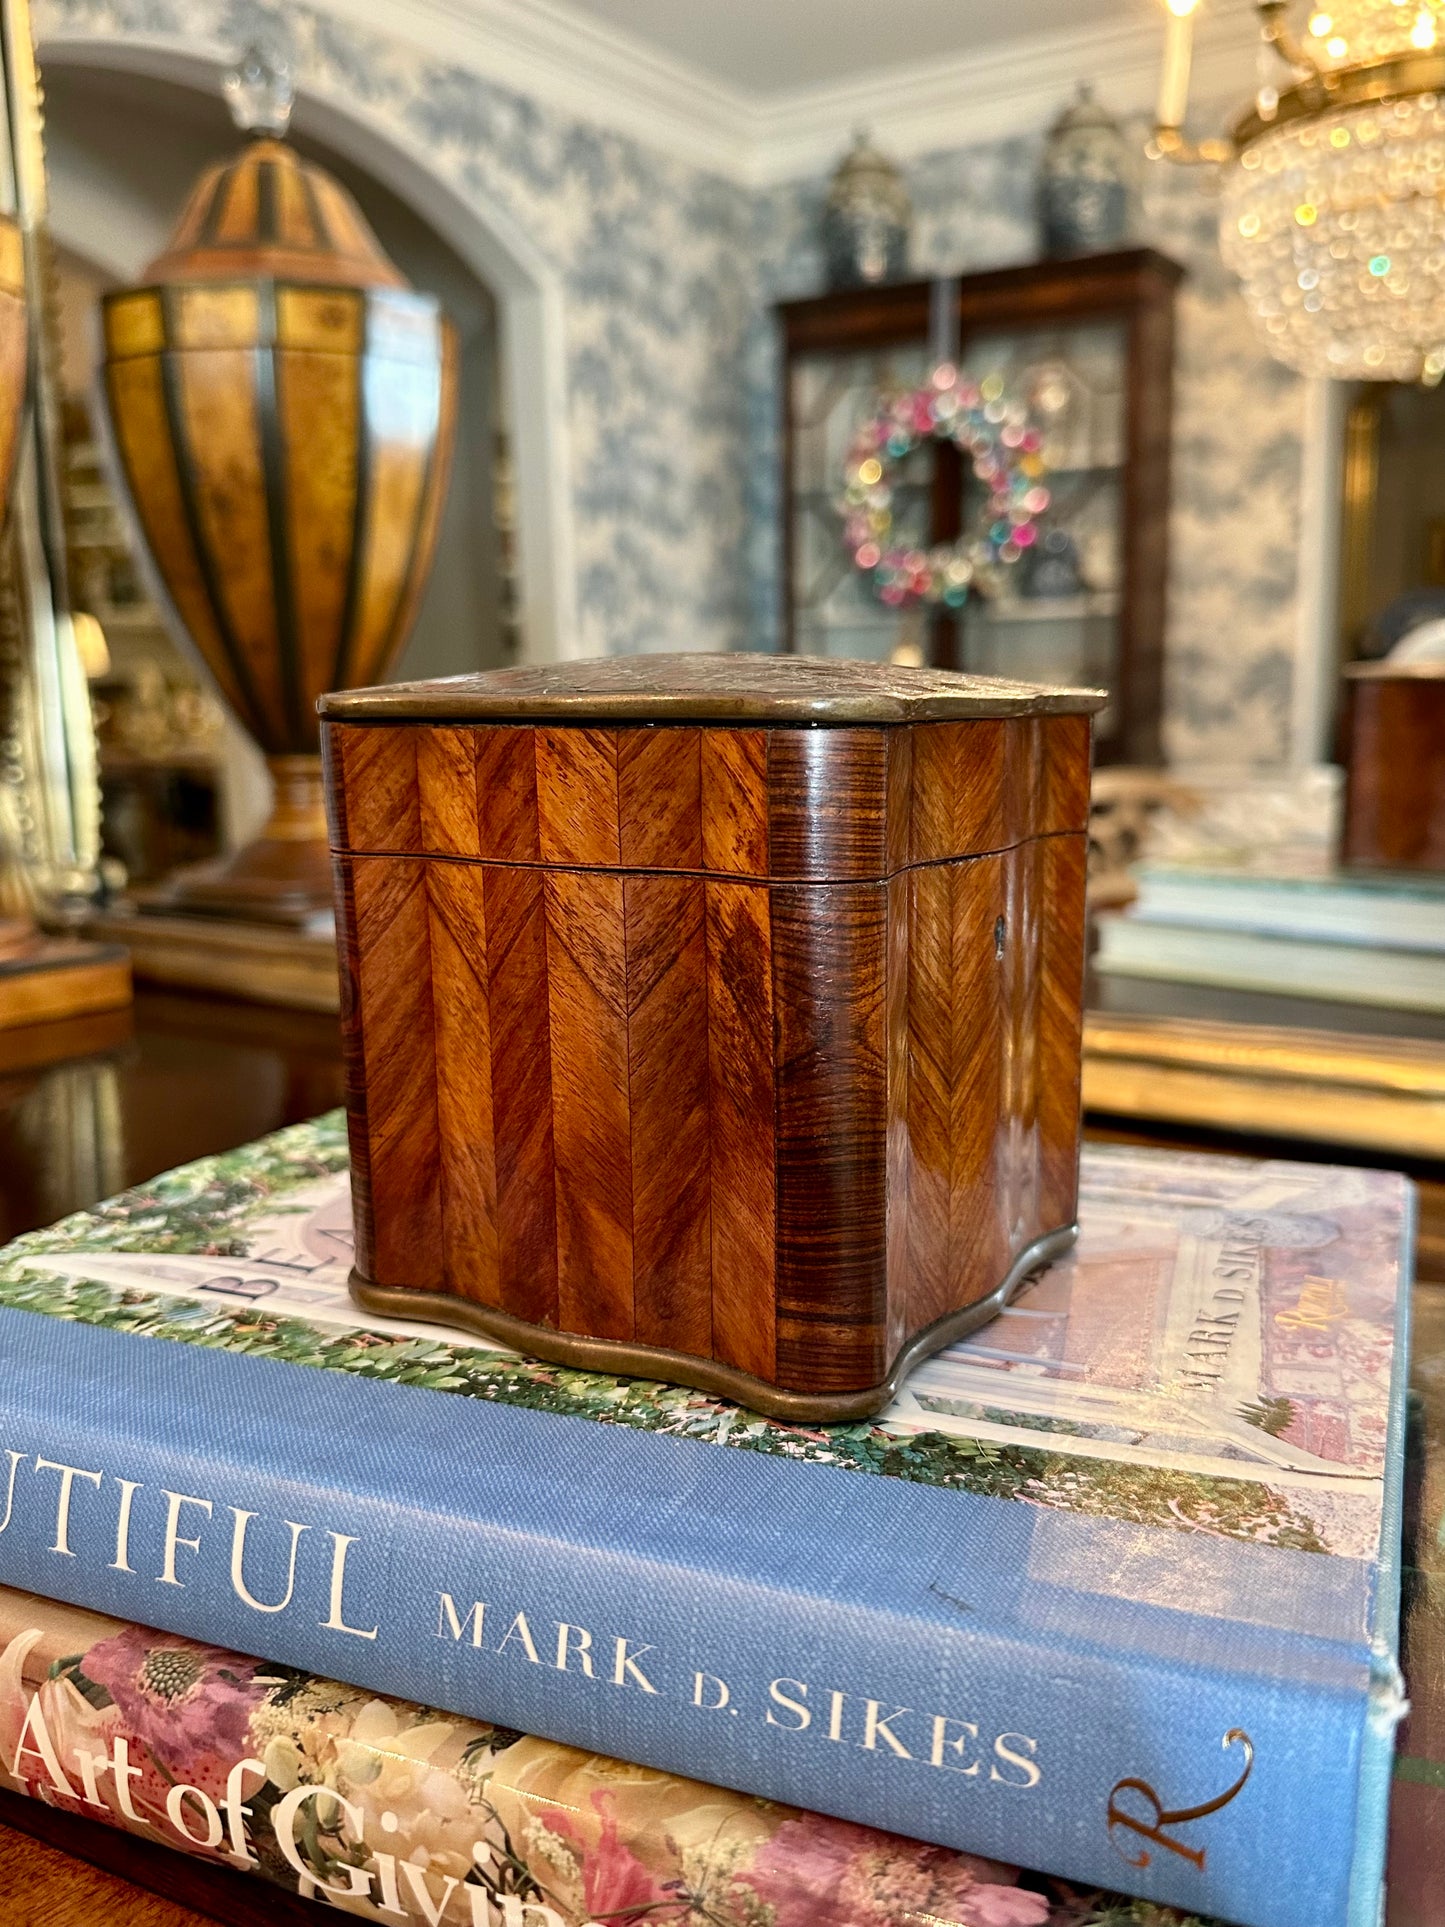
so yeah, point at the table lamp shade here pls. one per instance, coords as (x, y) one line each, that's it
(282, 407)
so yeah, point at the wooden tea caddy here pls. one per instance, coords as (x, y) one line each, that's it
(712, 1018)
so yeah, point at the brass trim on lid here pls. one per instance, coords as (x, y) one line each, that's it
(738, 687)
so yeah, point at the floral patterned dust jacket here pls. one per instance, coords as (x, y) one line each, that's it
(394, 1812)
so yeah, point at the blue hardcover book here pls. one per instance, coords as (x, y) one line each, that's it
(1111, 1590)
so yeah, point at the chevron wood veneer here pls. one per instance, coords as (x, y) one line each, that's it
(742, 1055)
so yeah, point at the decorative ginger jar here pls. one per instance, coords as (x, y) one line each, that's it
(866, 219)
(1086, 186)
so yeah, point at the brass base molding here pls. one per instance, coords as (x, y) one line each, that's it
(621, 1359)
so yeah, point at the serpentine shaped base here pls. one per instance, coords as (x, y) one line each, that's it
(622, 1359)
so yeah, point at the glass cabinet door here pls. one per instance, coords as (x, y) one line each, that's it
(1086, 346)
(835, 612)
(1055, 616)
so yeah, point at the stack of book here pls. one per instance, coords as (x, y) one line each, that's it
(1358, 939)
(1109, 1596)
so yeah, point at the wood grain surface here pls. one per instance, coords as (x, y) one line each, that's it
(395, 1018)
(358, 1135)
(782, 805)
(376, 793)
(670, 1148)
(1064, 864)
(522, 1111)
(829, 950)
(461, 1009)
(735, 802)
(577, 805)
(58, 1870)
(508, 823)
(741, 1108)
(292, 519)
(659, 798)
(591, 1112)
(751, 1046)
(1395, 772)
(828, 802)
(42, 1886)
(446, 786)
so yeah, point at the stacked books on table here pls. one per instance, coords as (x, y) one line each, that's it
(1360, 939)
(1110, 1594)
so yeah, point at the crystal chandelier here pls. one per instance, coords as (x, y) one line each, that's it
(1333, 205)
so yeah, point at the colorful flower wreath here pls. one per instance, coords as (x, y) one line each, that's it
(1005, 455)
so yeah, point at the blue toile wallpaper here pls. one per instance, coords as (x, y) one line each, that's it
(667, 274)
(653, 259)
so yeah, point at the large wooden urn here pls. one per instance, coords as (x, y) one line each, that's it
(281, 405)
(715, 1018)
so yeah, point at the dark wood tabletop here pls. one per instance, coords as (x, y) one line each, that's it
(90, 1107)
(93, 1105)
(60, 1871)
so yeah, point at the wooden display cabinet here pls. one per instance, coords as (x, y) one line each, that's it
(1091, 342)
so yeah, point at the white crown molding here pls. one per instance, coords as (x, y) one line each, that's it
(570, 61)
(564, 58)
(1016, 87)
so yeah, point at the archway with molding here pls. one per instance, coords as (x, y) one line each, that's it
(525, 288)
